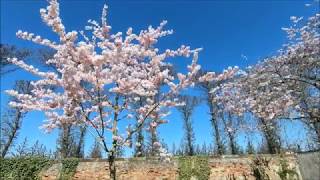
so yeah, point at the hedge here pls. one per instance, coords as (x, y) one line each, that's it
(24, 168)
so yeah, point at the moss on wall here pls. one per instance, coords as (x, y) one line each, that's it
(69, 167)
(194, 166)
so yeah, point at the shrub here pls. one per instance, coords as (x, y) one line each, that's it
(68, 168)
(23, 168)
(287, 173)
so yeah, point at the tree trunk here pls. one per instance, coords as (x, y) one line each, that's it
(113, 152)
(230, 134)
(154, 138)
(316, 126)
(79, 150)
(217, 136)
(111, 157)
(65, 141)
(232, 144)
(189, 134)
(214, 124)
(190, 146)
(139, 151)
(269, 131)
(112, 166)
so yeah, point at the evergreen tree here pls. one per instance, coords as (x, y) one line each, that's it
(186, 110)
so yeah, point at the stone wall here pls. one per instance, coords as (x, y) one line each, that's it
(309, 164)
(222, 168)
(232, 167)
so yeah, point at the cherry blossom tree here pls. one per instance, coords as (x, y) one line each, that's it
(286, 85)
(233, 97)
(102, 74)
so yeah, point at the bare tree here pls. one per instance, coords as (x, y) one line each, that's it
(250, 148)
(206, 87)
(65, 141)
(231, 124)
(70, 142)
(22, 149)
(9, 51)
(204, 149)
(181, 149)
(79, 146)
(11, 121)
(120, 152)
(37, 149)
(45, 54)
(309, 107)
(270, 132)
(96, 150)
(190, 102)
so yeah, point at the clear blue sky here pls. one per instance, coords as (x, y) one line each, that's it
(225, 29)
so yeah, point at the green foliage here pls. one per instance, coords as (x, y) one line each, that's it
(23, 168)
(287, 173)
(194, 166)
(68, 168)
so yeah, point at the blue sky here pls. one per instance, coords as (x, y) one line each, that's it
(227, 30)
